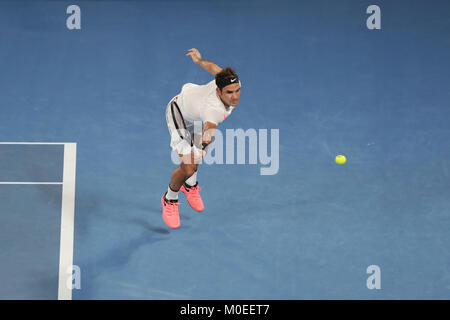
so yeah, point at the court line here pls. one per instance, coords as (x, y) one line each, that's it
(67, 213)
(67, 223)
(39, 143)
(6, 182)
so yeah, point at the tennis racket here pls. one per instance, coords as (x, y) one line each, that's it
(182, 130)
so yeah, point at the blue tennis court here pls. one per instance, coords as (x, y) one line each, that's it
(85, 155)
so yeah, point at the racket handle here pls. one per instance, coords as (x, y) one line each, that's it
(195, 151)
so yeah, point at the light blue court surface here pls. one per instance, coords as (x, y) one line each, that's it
(311, 69)
(30, 233)
(31, 163)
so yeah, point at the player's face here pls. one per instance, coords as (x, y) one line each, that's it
(230, 94)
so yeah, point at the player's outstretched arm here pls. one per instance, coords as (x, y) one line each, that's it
(209, 66)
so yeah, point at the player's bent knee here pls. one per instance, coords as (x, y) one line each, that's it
(189, 169)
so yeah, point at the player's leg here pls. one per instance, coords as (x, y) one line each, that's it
(192, 180)
(190, 186)
(187, 169)
(169, 200)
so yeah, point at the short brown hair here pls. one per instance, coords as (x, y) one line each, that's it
(224, 76)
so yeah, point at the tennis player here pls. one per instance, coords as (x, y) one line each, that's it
(208, 104)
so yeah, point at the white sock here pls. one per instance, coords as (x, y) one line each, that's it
(192, 180)
(171, 195)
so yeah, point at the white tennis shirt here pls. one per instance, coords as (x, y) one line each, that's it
(201, 103)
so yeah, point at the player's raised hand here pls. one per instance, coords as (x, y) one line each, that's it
(209, 66)
(195, 55)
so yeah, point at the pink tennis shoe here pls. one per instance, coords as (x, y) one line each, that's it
(193, 196)
(170, 215)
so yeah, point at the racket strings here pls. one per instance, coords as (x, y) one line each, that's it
(180, 124)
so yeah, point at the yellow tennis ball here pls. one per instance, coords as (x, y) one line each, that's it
(340, 159)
